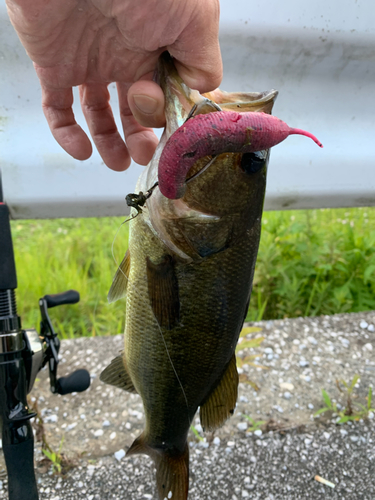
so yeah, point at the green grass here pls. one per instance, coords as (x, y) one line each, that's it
(56, 255)
(315, 262)
(310, 263)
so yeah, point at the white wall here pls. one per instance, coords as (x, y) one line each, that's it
(320, 56)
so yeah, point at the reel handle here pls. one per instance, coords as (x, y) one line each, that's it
(77, 381)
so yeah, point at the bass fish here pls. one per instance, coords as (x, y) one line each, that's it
(187, 274)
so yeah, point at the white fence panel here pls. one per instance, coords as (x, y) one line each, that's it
(320, 56)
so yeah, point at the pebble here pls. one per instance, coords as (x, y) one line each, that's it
(371, 328)
(242, 426)
(199, 428)
(312, 340)
(287, 395)
(50, 418)
(231, 443)
(310, 406)
(343, 432)
(106, 423)
(287, 386)
(216, 441)
(268, 350)
(363, 324)
(367, 347)
(327, 435)
(119, 455)
(1, 485)
(278, 408)
(258, 432)
(371, 415)
(71, 426)
(112, 436)
(303, 363)
(354, 438)
(99, 433)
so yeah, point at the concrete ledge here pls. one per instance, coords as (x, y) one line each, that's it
(302, 356)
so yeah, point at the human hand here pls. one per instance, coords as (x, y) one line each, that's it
(91, 43)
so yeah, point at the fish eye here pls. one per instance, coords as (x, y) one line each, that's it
(251, 163)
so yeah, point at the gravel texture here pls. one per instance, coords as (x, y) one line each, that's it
(279, 461)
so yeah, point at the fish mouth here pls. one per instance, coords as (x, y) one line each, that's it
(244, 101)
(196, 139)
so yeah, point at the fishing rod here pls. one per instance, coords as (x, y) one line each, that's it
(22, 354)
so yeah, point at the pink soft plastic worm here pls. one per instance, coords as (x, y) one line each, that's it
(213, 134)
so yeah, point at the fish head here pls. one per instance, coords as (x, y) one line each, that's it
(216, 186)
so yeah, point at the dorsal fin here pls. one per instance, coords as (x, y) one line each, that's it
(163, 292)
(120, 281)
(221, 402)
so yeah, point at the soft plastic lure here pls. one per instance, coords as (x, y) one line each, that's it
(216, 133)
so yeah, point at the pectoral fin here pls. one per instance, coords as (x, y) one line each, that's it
(120, 281)
(221, 403)
(163, 292)
(117, 375)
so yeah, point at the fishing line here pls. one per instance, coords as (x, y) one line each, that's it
(143, 299)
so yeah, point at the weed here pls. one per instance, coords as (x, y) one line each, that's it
(196, 433)
(55, 457)
(352, 411)
(60, 463)
(255, 424)
(314, 262)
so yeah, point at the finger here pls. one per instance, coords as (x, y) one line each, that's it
(57, 108)
(102, 126)
(146, 102)
(197, 50)
(141, 141)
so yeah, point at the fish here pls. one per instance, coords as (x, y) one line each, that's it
(187, 278)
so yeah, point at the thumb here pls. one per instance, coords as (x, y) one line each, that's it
(197, 51)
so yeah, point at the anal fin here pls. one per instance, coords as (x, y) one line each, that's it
(221, 402)
(120, 281)
(172, 469)
(117, 375)
(163, 292)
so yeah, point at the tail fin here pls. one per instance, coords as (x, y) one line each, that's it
(172, 469)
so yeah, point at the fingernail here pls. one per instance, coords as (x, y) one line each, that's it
(145, 104)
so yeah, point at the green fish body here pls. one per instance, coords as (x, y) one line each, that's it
(187, 276)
